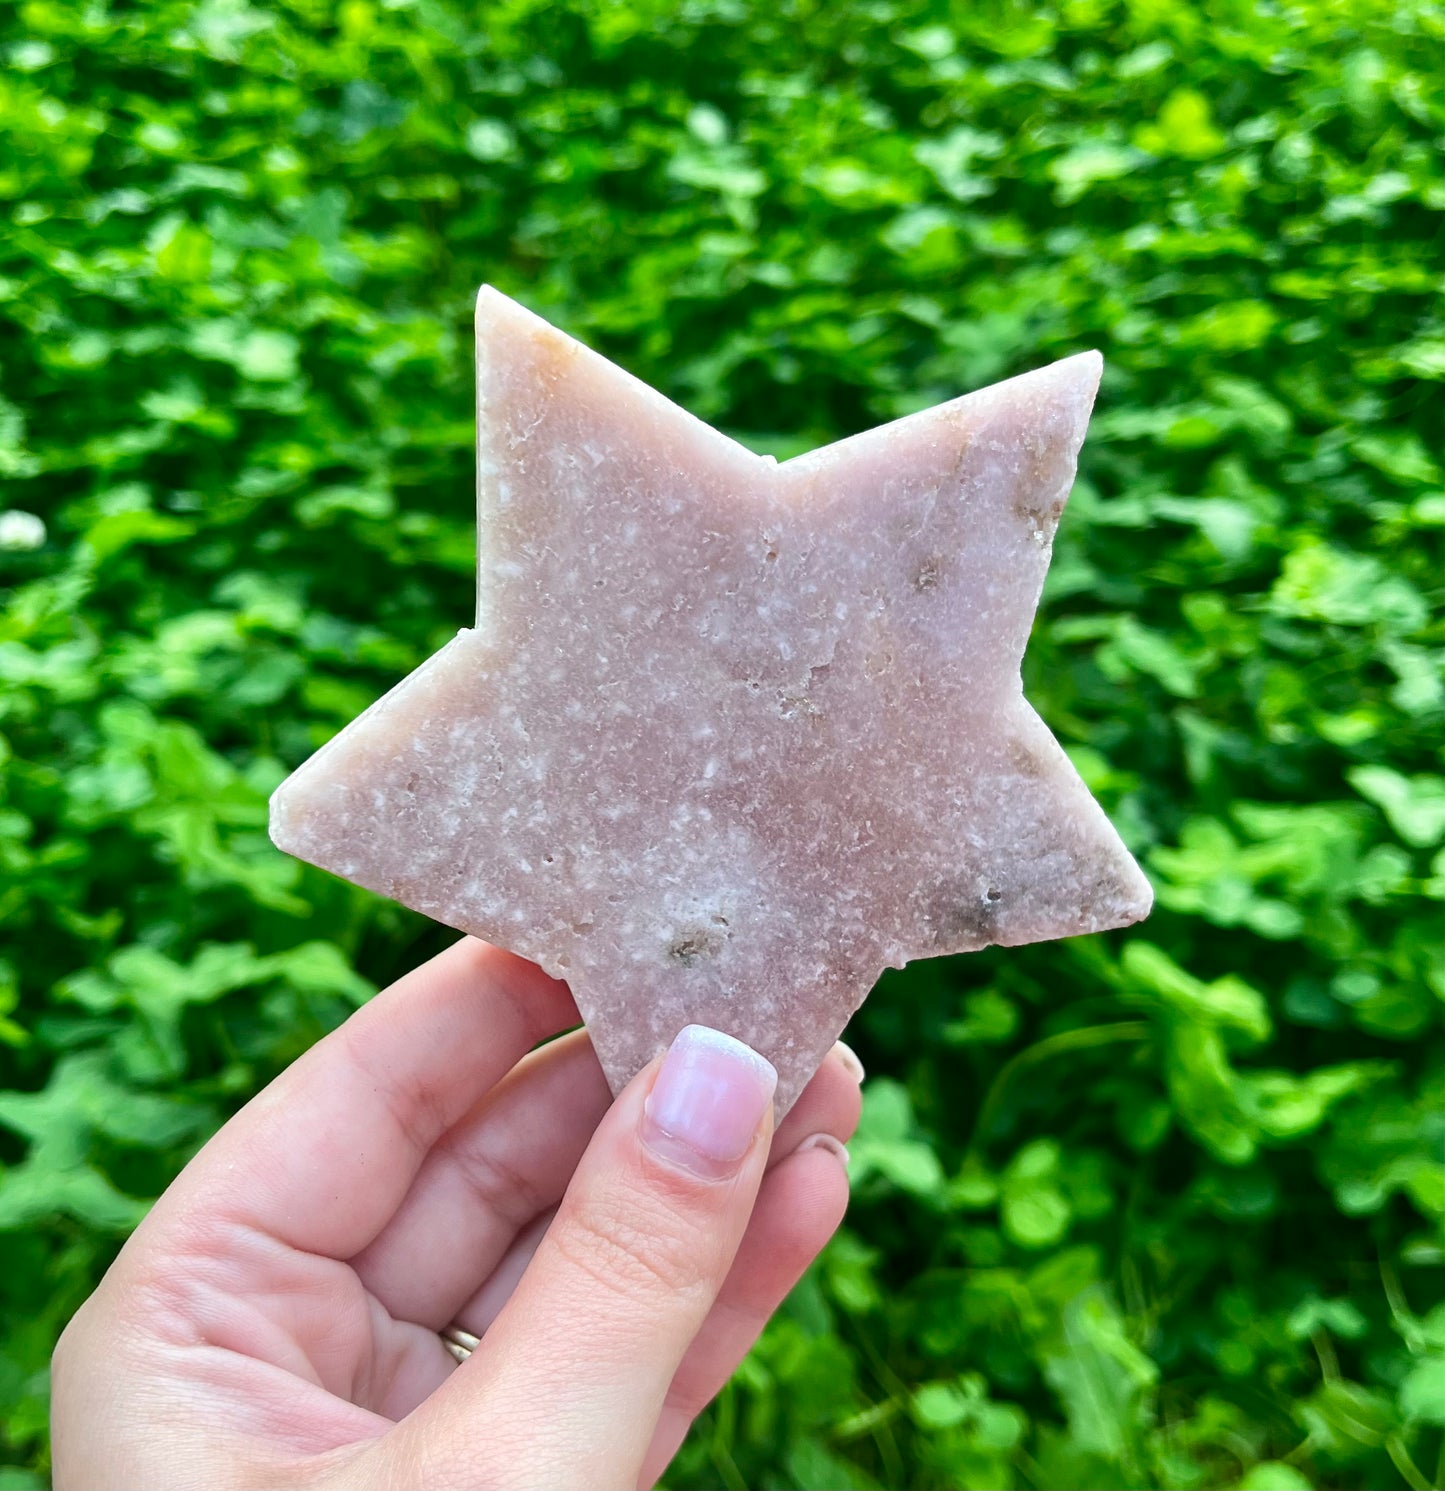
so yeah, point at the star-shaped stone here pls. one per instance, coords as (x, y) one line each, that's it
(731, 737)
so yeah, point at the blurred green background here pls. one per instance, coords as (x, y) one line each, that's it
(1149, 1210)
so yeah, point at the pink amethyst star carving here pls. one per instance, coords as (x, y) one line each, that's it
(729, 737)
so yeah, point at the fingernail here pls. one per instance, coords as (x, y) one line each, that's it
(849, 1057)
(710, 1095)
(829, 1142)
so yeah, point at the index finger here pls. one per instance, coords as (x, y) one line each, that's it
(322, 1158)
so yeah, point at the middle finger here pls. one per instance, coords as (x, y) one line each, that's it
(829, 1104)
(491, 1174)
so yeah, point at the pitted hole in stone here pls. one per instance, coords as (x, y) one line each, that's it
(548, 859)
(925, 577)
(801, 705)
(694, 944)
(797, 707)
(584, 927)
(1025, 760)
(963, 916)
(1042, 517)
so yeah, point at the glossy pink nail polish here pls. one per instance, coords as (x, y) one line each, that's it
(710, 1096)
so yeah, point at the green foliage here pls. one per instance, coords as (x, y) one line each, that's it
(1150, 1210)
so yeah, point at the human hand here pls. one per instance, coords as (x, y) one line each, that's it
(274, 1320)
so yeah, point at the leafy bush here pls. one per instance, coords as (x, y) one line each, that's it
(1150, 1210)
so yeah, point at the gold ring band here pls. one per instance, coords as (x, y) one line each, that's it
(460, 1343)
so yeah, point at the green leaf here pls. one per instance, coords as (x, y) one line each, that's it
(1415, 806)
(1338, 1316)
(491, 140)
(1422, 1394)
(884, 1146)
(1183, 126)
(1103, 1380)
(1035, 1215)
(1343, 1414)
(1079, 169)
(1274, 1475)
(1228, 1002)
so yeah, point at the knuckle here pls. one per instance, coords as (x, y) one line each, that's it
(503, 1187)
(413, 1106)
(629, 1248)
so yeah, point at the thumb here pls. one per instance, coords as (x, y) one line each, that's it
(567, 1385)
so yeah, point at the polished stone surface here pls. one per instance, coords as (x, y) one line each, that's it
(730, 737)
